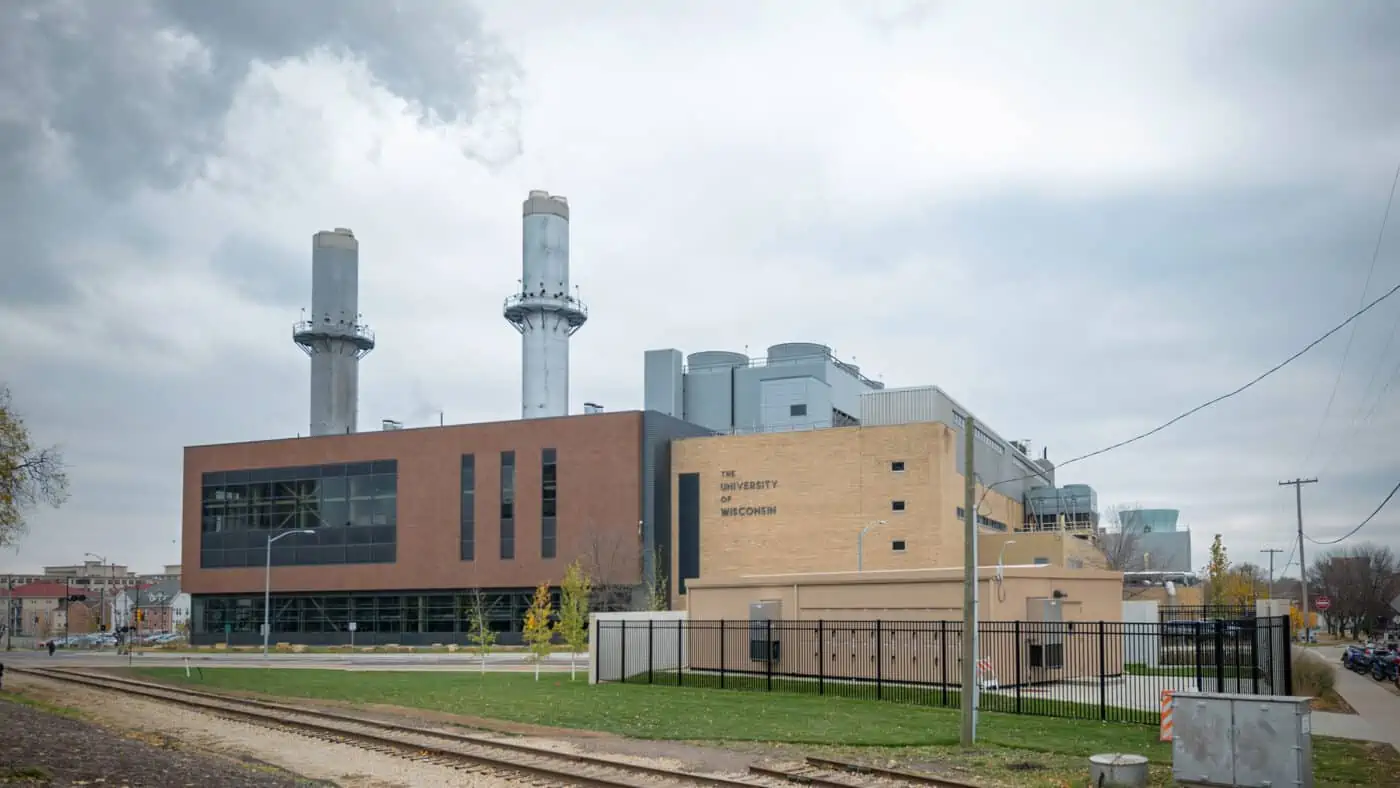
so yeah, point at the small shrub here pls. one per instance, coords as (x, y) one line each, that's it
(1312, 675)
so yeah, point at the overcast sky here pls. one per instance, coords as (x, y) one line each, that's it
(1079, 219)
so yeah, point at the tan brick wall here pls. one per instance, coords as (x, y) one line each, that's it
(823, 487)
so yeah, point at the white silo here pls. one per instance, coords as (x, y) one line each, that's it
(545, 312)
(333, 335)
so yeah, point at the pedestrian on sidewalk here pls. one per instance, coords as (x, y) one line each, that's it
(51, 648)
(2, 675)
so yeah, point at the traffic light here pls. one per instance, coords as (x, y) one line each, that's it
(140, 615)
(77, 598)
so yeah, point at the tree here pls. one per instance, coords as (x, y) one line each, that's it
(1121, 540)
(574, 600)
(658, 584)
(539, 631)
(479, 633)
(1216, 570)
(614, 575)
(28, 475)
(1360, 581)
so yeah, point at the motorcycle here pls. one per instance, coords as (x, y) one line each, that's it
(1360, 660)
(1384, 665)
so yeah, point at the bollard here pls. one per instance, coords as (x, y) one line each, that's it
(1118, 770)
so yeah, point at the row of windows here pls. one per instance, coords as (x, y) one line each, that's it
(984, 521)
(350, 508)
(960, 422)
(300, 500)
(444, 612)
(549, 505)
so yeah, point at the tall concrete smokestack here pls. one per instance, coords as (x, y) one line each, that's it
(333, 336)
(545, 312)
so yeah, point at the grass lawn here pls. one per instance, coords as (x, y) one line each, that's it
(877, 729)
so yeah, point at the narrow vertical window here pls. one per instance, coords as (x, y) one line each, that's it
(507, 505)
(468, 507)
(549, 503)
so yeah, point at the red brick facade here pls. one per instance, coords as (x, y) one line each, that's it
(599, 500)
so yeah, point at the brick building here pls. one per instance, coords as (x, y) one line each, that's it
(797, 502)
(410, 531)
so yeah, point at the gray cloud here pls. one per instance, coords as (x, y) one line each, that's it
(262, 271)
(1183, 199)
(106, 98)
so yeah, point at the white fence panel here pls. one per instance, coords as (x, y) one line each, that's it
(1142, 643)
(626, 644)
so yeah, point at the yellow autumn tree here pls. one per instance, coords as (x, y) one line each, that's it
(574, 597)
(539, 630)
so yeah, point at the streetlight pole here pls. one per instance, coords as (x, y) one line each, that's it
(101, 590)
(860, 544)
(267, 586)
(1272, 552)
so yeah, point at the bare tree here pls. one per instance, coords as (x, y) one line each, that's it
(28, 475)
(479, 611)
(1361, 581)
(658, 586)
(1120, 544)
(614, 575)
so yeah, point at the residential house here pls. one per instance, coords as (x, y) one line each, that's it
(163, 607)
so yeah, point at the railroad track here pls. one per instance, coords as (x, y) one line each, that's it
(481, 754)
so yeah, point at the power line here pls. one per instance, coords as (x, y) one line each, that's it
(1363, 524)
(1351, 336)
(1251, 384)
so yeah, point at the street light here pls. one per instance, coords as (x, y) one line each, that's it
(267, 585)
(860, 544)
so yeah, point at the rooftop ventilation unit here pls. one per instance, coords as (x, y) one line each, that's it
(391, 424)
(592, 407)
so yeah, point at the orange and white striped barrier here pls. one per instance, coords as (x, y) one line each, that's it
(986, 677)
(1166, 724)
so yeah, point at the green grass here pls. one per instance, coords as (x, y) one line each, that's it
(1030, 702)
(18, 697)
(1187, 671)
(694, 713)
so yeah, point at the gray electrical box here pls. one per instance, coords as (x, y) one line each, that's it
(1241, 740)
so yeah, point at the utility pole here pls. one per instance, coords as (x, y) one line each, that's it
(968, 696)
(10, 616)
(1272, 552)
(1297, 485)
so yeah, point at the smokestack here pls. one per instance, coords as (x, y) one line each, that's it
(333, 335)
(545, 311)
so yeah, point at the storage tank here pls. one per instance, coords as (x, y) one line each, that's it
(716, 358)
(789, 351)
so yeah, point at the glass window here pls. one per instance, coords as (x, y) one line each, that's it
(507, 539)
(549, 535)
(468, 513)
(897, 506)
(507, 485)
(797, 410)
(321, 498)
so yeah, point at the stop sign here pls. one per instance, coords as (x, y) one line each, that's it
(1322, 603)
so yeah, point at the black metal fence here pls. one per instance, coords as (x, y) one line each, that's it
(1098, 670)
(1167, 613)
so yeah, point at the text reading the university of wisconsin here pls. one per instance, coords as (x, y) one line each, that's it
(731, 483)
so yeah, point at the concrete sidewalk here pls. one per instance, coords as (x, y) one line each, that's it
(1377, 716)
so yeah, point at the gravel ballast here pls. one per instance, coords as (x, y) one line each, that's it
(41, 748)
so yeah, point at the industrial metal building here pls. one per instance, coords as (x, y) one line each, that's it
(406, 526)
(797, 386)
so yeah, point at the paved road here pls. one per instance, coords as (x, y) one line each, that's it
(511, 662)
(1377, 716)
